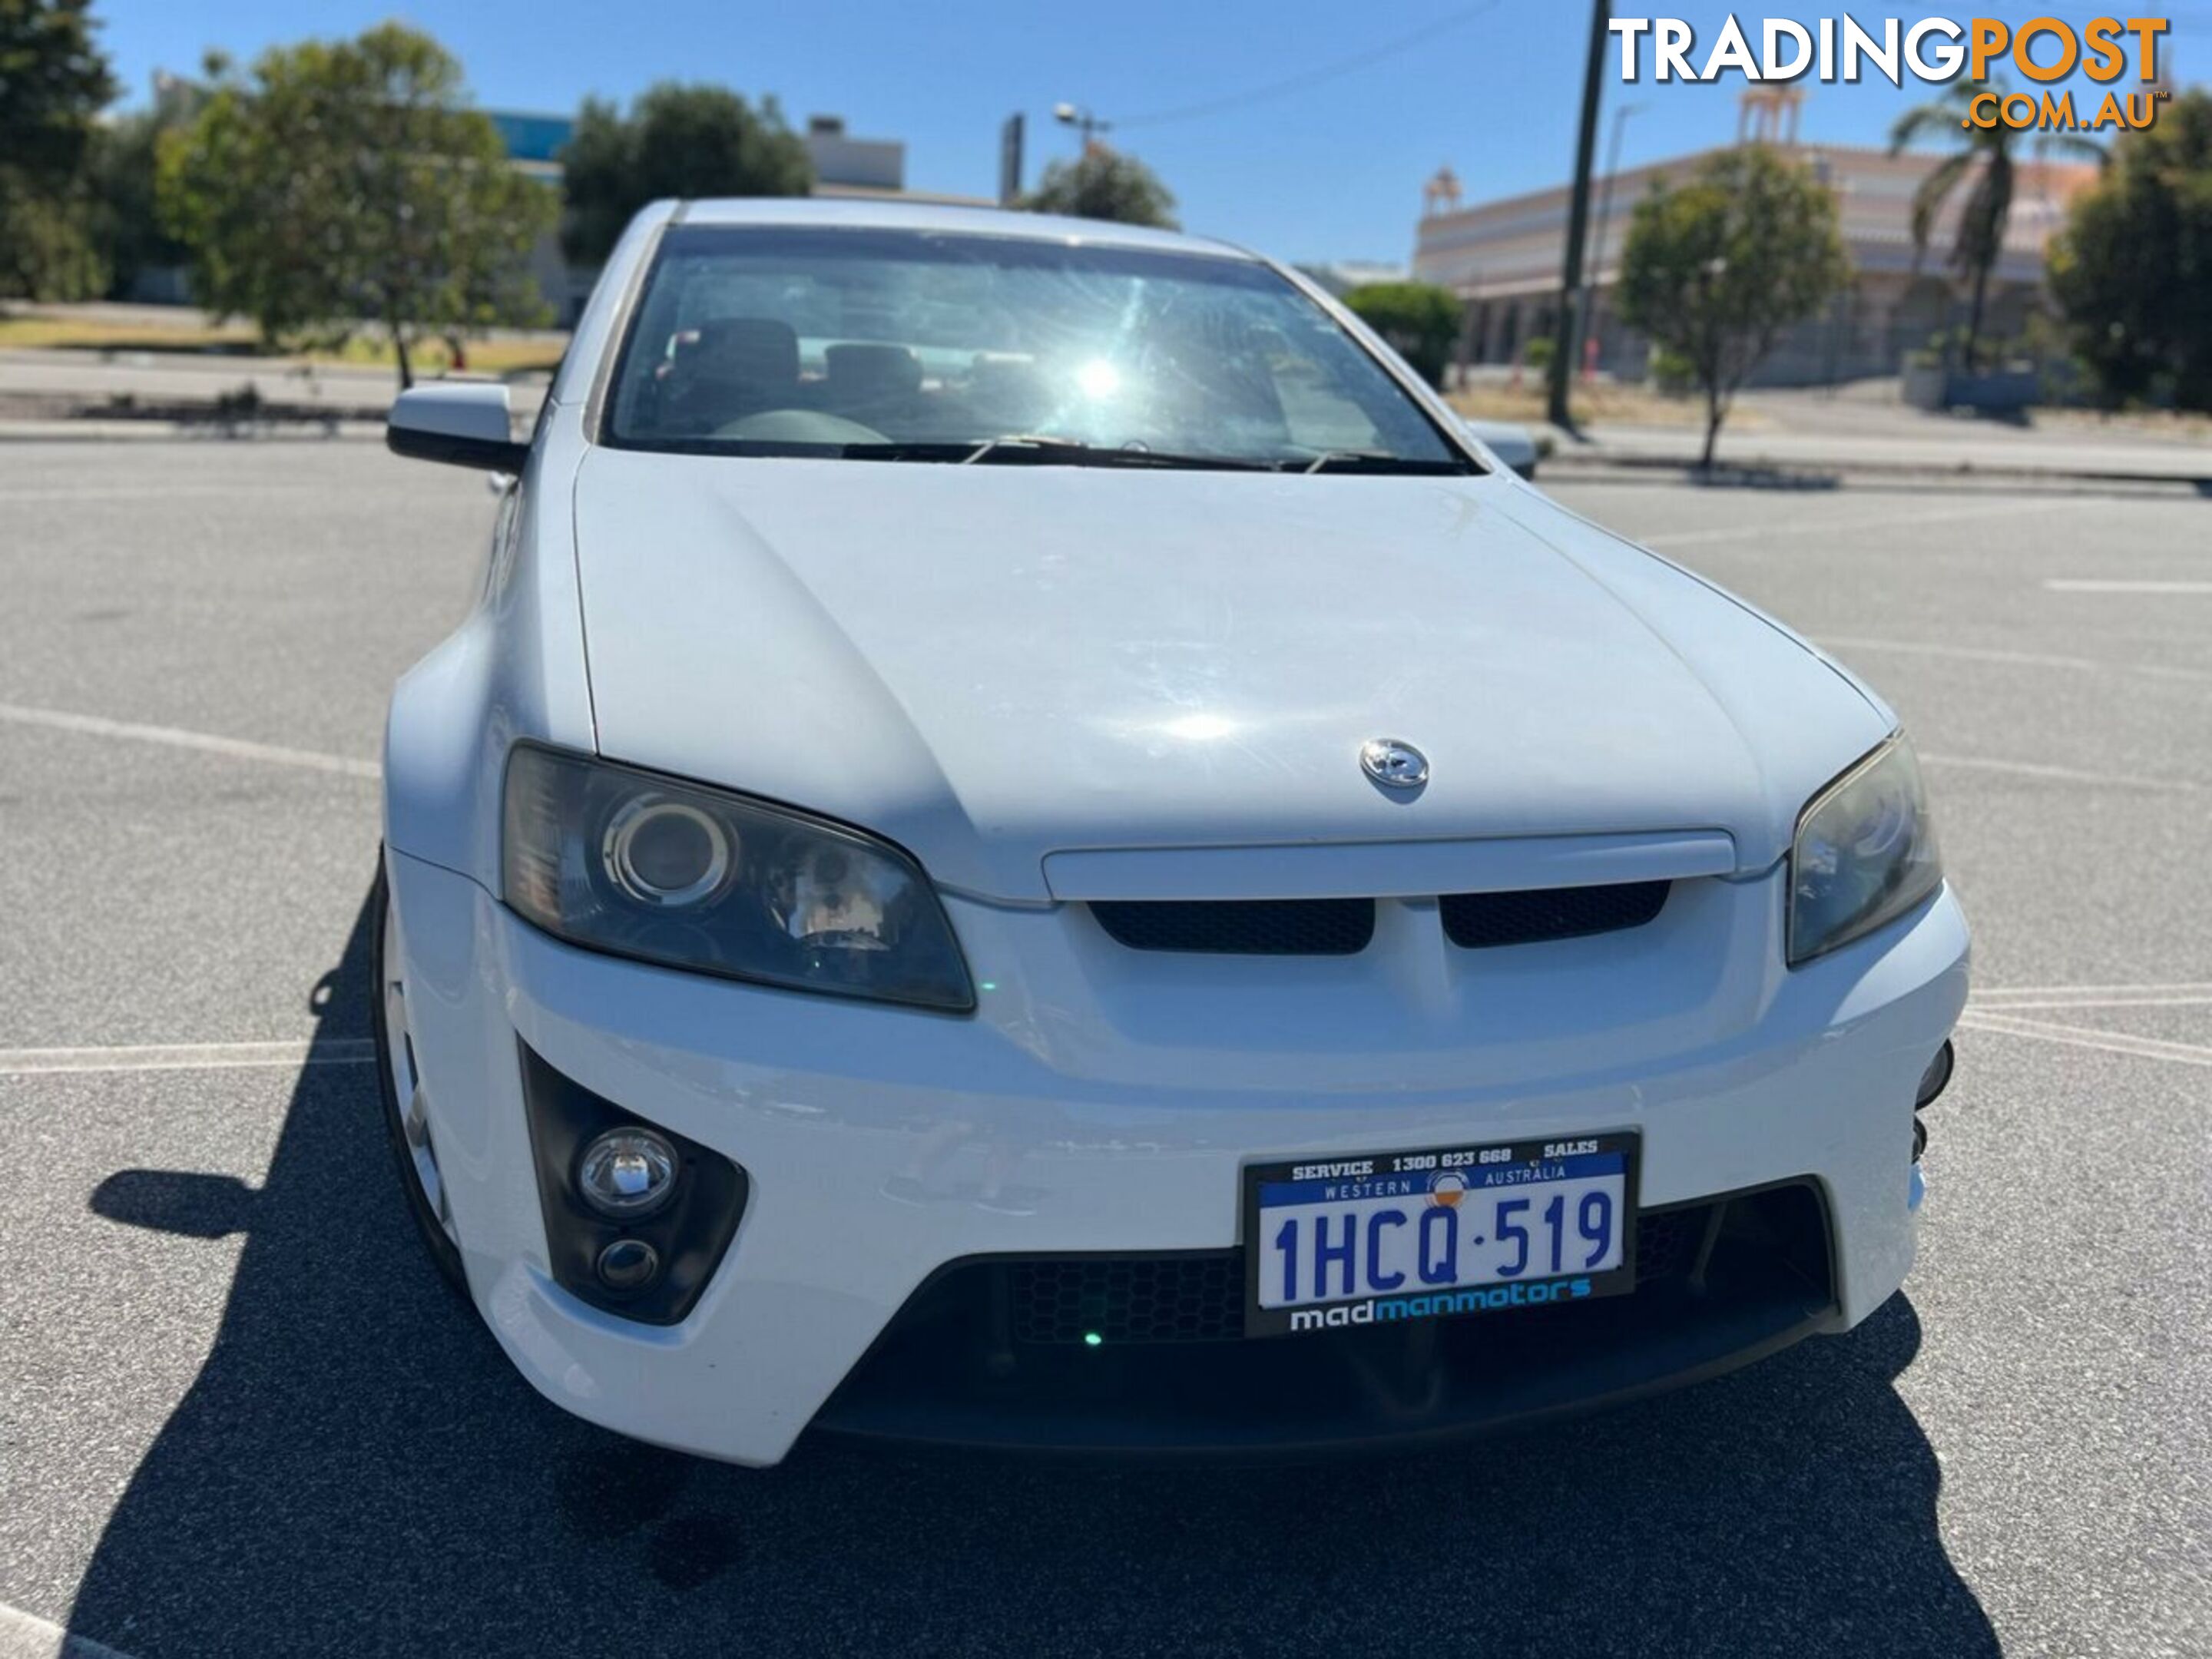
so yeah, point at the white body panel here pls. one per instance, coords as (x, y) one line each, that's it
(1055, 685)
(1182, 660)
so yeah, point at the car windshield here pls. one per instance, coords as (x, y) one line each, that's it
(891, 345)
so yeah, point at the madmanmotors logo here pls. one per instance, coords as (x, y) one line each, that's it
(1935, 49)
(1483, 1298)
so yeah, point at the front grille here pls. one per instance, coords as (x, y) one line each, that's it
(1135, 1298)
(986, 1353)
(1248, 927)
(1477, 921)
(1666, 1242)
(1198, 1296)
(1345, 926)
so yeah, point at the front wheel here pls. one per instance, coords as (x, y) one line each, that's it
(406, 1104)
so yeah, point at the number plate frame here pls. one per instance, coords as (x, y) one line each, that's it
(1460, 1300)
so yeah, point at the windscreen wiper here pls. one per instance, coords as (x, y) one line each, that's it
(1141, 457)
(1369, 461)
(1033, 447)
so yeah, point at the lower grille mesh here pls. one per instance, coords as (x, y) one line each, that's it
(1666, 1242)
(1199, 1297)
(1161, 1298)
(1250, 927)
(1477, 921)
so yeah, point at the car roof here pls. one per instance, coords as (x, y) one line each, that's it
(878, 215)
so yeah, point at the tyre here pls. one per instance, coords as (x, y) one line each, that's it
(406, 1120)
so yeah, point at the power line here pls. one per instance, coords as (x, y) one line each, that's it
(1427, 31)
(1314, 77)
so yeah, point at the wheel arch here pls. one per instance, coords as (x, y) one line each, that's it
(515, 668)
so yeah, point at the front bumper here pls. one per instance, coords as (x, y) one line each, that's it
(989, 1355)
(1077, 1114)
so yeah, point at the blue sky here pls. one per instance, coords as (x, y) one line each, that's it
(1332, 168)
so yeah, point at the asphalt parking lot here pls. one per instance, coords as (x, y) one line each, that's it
(239, 1413)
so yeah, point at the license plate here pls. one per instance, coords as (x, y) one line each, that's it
(1333, 1243)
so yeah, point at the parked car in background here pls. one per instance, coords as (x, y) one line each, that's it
(1512, 443)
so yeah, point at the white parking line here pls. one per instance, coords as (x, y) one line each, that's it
(2062, 773)
(1992, 1006)
(1813, 523)
(2014, 1005)
(1997, 993)
(146, 492)
(2080, 1036)
(27, 1636)
(2018, 658)
(2101, 584)
(2052, 998)
(59, 720)
(185, 1056)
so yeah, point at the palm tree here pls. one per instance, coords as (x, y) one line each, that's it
(1987, 154)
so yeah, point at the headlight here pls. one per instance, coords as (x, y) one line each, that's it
(1865, 853)
(641, 866)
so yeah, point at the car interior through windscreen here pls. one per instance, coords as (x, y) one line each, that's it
(874, 345)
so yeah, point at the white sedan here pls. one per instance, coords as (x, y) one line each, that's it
(1029, 845)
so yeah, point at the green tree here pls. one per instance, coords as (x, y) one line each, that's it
(53, 83)
(2133, 269)
(1986, 155)
(121, 168)
(1716, 268)
(1420, 320)
(349, 183)
(1105, 184)
(684, 142)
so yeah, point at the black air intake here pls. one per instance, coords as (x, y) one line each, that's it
(1479, 921)
(1244, 927)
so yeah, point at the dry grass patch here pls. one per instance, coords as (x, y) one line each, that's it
(1602, 405)
(502, 357)
(2182, 426)
(89, 334)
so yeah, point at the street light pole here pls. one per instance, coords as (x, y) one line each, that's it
(1563, 343)
(1590, 307)
(1086, 123)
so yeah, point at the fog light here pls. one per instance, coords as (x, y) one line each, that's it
(608, 1178)
(627, 1174)
(627, 1264)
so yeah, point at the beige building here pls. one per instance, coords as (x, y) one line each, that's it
(868, 167)
(843, 166)
(1504, 259)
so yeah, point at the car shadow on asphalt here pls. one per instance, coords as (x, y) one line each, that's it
(357, 1469)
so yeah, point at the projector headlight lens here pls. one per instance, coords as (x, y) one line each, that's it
(666, 852)
(637, 865)
(1865, 853)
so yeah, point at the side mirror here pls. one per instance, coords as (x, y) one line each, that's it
(463, 425)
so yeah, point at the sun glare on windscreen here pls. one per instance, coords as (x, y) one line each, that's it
(1098, 379)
